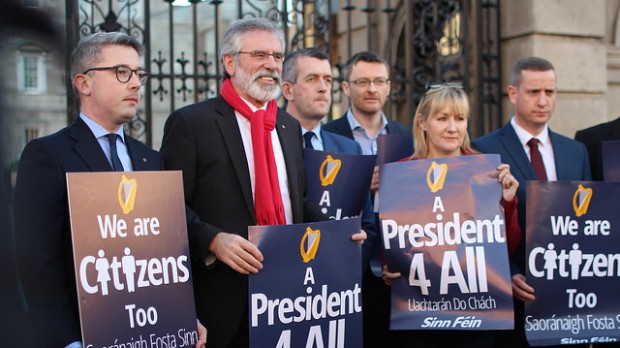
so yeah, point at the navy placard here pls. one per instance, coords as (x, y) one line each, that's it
(338, 182)
(443, 230)
(573, 262)
(392, 148)
(308, 293)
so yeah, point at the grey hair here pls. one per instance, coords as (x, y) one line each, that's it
(86, 54)
(231, 41)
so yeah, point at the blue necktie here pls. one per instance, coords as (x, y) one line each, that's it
(117, 166)
(308, 140)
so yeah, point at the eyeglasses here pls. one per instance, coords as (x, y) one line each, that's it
(124, 73)
(364, 83)
(262, 55)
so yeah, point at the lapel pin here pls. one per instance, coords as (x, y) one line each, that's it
(144, 159)
(283, 127)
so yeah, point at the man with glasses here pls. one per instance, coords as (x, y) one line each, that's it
(242, 165)
(367, 84)
(107, 77)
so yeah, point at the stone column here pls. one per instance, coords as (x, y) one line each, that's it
(570, 34)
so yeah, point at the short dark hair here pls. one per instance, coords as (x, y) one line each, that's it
(289, 69)
(531, 64)
(86, 54)
(364, 56)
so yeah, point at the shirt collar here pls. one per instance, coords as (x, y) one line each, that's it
(316, 130)
(99, 131)
(354, 124)
(525, 136)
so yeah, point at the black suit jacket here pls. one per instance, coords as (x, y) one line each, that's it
(341, 126)
(203, 140)
(593, 137)
(42, 228)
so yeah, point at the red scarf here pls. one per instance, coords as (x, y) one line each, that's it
(267, 197)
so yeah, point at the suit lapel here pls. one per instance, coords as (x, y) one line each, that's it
(290, 141)
(328, 143)
(88, 148)
(512, 145)
(562, 158)
(141, 160)
(344, 126)
(227, 122)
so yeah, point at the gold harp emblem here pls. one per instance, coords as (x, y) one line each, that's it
(581, 200)
(309, 244)
(127, 194)
(329, 170)
(436, 176)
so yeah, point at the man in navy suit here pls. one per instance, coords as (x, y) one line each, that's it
(532, 91)
(367, 84)
(307, 87)
(107, 76)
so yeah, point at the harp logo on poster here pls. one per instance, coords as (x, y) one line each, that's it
(329, 170)
(309, 244)
(581, 200)
(436, 176)
(127, 189)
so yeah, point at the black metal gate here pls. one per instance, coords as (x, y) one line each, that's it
(426, 41)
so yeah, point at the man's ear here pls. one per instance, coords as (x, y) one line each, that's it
(229, 64)
(512, 94)
(287, 91)
(346, 88)
(82, 83)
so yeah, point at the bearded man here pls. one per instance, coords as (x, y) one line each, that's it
(241, 158)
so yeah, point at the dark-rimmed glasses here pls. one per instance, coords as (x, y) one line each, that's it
(262, 55)
(124, 73)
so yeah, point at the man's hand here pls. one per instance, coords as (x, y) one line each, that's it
(388, 276)
(360, 236)
(521, 290)
(202, 335)
(374, 184)
(237, 252)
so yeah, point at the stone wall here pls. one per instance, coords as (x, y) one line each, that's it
(572, 35)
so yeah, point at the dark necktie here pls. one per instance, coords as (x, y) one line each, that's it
(536, 158)
(117, 166)
(308, 140)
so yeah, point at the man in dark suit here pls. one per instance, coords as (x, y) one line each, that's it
(242, 165)
(522, 143)
(107, 77)
(307, 86)
(593, 138)
(367, 84)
